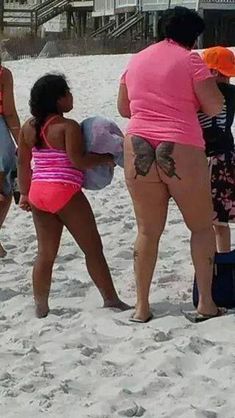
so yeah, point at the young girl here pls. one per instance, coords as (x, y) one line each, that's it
(53, 189)
(220, 146)
(9, 125)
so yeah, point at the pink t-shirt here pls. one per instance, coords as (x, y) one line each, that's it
(160, 83)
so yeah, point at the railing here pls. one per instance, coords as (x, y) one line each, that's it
(35, 16)
(152, 5)
(18, 17)
(133, 21)
(103, 29)
(49, 9)
(103, 7)
(120, 4)
(219, 1)
(88, 4)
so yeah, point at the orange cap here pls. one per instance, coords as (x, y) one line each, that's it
(220, 59)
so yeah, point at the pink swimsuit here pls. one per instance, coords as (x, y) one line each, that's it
(54, 181)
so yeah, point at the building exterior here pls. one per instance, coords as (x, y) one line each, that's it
(132, 18)
(219, 16)
(43, 16)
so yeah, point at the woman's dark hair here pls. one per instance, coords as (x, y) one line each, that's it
(181, 25)
(43, 99)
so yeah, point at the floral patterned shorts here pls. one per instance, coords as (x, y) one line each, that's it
(222, 174)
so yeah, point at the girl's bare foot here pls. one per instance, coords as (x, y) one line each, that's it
(3, 252)
(41, 309)
(117, 304)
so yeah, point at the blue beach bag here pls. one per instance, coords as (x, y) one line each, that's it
(223, 285)
(101, 136)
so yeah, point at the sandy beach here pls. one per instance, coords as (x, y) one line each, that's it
(86, 362)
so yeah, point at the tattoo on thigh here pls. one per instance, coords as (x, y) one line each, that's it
(164, 159)
(144, 156)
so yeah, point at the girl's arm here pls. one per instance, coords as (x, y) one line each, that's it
(209, 96)
(24, 165)
(75, 149)
(9, 109)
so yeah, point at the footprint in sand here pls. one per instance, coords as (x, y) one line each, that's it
(167, 254)
(91, 351)
(131, 409)
(28, 388)
(168, 279)
(6, 380)
(10, 247)
(68, 257)
(76, 288)
(6, 294)
(205, 414)
(199, 345)
(125, 254)
(65, 312)
(175, 221)
(162, 336)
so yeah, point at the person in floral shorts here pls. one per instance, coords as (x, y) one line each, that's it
(220, 145)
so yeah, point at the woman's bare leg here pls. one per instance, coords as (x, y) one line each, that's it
(150, 200)
(4, 208)
(78, 217)
(187, 176)
(49, 229)
(223, 238)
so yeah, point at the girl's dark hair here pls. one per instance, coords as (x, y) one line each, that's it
(182, 25)
(43, 99)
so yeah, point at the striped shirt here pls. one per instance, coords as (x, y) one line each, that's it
(206, 121)
(217, 130)
(54, 165)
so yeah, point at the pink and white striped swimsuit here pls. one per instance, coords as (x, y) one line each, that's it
(53, 165)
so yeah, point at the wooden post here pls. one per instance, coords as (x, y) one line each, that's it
(74, 24)
(1, 16)
(146, 25)
(68, 15)
(35, 23)
(155, 25)
(116, 20)
(200, 41)
(84, 22)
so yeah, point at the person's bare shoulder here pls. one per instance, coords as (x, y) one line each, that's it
(28, 131)
(71, 123)
(28, 124)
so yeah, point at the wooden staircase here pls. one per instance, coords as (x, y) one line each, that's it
(35, 16)
(127, 25)
(103, 29)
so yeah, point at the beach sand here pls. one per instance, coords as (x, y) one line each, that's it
(86, 362)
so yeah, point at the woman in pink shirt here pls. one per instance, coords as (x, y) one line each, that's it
(161, 91)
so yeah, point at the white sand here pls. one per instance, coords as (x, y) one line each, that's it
(83, 361)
